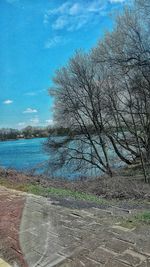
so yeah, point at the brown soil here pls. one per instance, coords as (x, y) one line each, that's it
(121, 186)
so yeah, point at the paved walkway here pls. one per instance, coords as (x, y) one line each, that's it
(39, 232)
(4, 263)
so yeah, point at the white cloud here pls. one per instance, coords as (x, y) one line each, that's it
(96, 6)
(73, 16)
(59, 10)
(75, 9)
(34, 121)
(49, 122)
(21, 124)
(60, 23)
(7, 102)
(46, 19)
(116, 1)
(30, 110)
(52, 42)
(36, 92)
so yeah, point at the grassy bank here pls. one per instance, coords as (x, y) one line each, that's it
(124, 185)
(140, 218)
(143, 217)
(51, 191)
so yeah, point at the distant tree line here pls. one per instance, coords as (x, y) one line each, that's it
(102, 98)
(8, 133)
(27, 132)
(32, 132)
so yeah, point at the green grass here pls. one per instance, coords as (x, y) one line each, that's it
(143, 217)
(39, 190)
(52, 191)
(140, 218)
(61, 192)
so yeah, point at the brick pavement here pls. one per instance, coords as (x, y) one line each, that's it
(35, 231)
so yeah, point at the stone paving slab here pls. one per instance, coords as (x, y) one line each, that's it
(4, 263)
(37, 232)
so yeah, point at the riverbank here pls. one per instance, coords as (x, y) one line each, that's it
(22, 138)
(126, 184)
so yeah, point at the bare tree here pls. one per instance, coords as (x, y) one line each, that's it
(126, 55)
(103, 98)
(80, 107)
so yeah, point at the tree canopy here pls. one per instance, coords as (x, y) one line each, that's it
(102, 98)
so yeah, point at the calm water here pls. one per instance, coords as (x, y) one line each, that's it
(23, 154)
(29, 154)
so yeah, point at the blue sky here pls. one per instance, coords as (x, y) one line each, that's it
(37, 37)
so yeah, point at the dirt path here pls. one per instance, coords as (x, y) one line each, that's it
(35, 231)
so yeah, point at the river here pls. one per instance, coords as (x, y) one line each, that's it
(29, 155)
(22, 154)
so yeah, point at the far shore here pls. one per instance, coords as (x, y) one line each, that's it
(22, 138)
